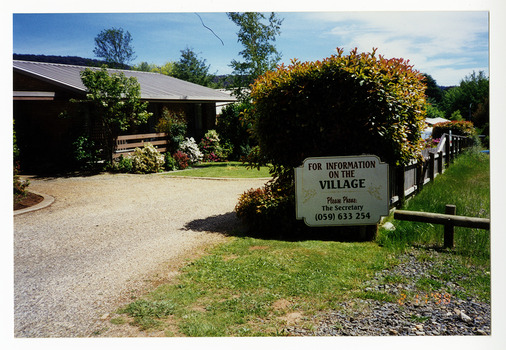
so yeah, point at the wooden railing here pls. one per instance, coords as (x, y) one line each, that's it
(449, 220)
(126, 144)
(410, 179)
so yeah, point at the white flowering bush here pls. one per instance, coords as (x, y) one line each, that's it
(190, 147)
(147, 160)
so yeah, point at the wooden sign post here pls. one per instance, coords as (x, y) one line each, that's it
(341, 191)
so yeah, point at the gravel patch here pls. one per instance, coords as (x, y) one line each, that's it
(415, 313)
(107, 238)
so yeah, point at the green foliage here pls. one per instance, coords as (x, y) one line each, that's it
(181, 159)
(86, 154)
(330, 107)
(467, 98)
(234, 129)
(114, 102)
(259, 53)
(212, 149)
(147, 160)
(457, 127)
(456, 116)
(166, 69)
(122, 165)
(433, 92)
(174, 125)
(170, 162)
(191, 68)
(114, 45)
(433, 111)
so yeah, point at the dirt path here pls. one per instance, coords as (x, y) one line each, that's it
(106, 238)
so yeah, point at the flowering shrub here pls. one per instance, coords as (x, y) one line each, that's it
(460, 127)
(212, 149)
(181, 159)
(266, 208)
(147, 160)
(190, 147)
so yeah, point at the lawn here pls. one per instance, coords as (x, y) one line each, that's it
(253, 287)
(222, 170)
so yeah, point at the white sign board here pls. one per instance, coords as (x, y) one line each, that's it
(341, 191)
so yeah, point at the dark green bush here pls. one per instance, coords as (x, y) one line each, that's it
(170, 162)
(86, 154)
(122, 165)
(174, 125)
(233, 129)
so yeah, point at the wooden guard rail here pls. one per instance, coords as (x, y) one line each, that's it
(126, 144)
(449, 220)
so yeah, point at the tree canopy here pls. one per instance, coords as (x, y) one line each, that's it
(115, 103)
(259, 53)
(193, 69)
(115, 46)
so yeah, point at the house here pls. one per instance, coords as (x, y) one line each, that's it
(42, 92)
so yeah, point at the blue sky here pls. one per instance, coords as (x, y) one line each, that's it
(445, 44)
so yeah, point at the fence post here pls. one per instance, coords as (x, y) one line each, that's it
(400, 184)
(447, 151)
(440, 162)
(449, 231)
(432, 166)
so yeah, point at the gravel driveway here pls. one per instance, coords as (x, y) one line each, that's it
(106, 238)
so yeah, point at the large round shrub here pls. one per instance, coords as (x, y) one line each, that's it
(344, 105)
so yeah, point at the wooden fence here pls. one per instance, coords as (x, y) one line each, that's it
(448, 219)
(126, 144)
(408, 180)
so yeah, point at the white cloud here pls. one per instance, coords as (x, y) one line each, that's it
(437, 43)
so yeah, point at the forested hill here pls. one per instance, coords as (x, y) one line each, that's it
(72, 60)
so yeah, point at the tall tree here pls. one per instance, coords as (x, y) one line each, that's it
(115, 46)
(433, 91)
(191, 68)
(259, 54)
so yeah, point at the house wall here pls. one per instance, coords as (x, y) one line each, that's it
(45, 138)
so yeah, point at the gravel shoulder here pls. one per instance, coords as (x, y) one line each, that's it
(107, 238)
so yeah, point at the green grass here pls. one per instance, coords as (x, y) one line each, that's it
(222, 170)
(466, 184)
(247, 286)
(252, 287)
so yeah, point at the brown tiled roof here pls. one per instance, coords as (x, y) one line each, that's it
(154, 86)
